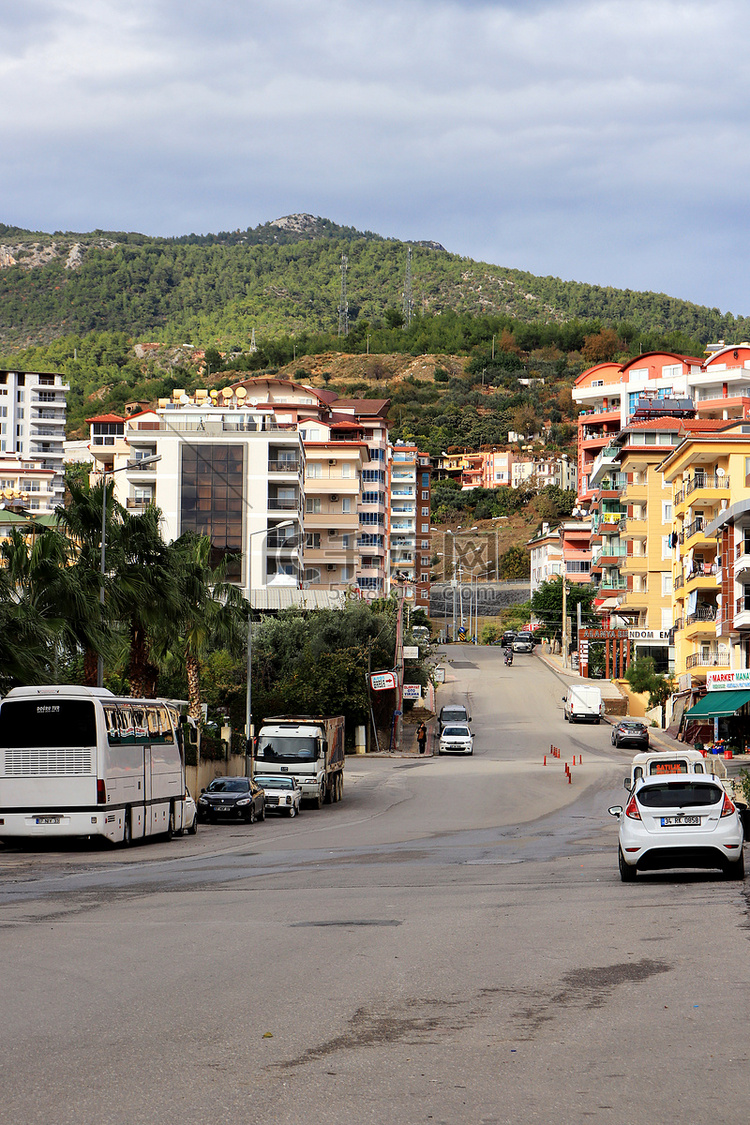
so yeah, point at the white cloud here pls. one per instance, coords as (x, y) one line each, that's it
(589, 139)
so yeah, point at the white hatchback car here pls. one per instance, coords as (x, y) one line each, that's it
(456, 739)
(283, 793)
(679, 820)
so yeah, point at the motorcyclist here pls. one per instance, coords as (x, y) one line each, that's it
(509, 655)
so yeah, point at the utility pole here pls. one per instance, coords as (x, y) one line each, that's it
(343, 302)
(564, 621)
(398, 718)
(408, 303)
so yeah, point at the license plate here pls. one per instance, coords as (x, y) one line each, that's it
(671, 821)
(47, 820)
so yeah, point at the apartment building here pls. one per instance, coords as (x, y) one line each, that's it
(410, 523)
(542, 472)
(545, 549)
(26, 486)
(708, 473)
(563, 549)
(32, 420)
(333, 491)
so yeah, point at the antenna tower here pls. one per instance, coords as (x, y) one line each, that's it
(408, 303)
(253, 345)
(343, 303)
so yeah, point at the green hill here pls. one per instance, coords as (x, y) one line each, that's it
(283, 278)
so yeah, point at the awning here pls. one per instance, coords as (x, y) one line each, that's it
(717, 704)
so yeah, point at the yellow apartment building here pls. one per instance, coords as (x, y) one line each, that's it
(333, 486)
(708, 473)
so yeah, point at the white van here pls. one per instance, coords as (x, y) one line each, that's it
(583, 704)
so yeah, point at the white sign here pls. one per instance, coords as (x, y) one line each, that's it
(383, 681)
(412, 691)
(439, 675)
(411, 652)
(654, 636)
(728, 681)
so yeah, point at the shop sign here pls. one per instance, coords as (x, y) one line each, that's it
(411, 652)
(412, 691)
(653, 636)
(383, 681)
(603, 634)
(439, 675)
(728, 681)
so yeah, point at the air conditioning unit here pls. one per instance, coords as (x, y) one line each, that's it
(332, 532)
(331, 566)
(334, 496)
(332, 461)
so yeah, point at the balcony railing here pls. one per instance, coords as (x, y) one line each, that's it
(705, 480)
(742, 548)
(705, 570)
(692, 528)
(703, 613)
(679, 581)
(711, 660)
(283, 504)
(742, 605)
(283, 466)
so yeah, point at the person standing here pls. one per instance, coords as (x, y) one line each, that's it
(421, 737)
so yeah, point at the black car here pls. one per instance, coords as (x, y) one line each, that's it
(508, 638)
(232, 798)
(630, 732)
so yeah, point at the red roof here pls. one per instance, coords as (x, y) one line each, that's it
(668, 422)
(105, 418)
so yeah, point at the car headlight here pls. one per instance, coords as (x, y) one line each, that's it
(244, 800)
(202, 801)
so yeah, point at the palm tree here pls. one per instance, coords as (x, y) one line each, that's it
(212, 613)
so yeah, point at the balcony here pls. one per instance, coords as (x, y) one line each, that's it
(701, 623)
(693, 530)
(283, 504)
(283, 466)
(633, 528)
(635, 494)
(610, 582)
(742, 612)
(702, 578)
(704, 487)
(707, 660)
(634, 564)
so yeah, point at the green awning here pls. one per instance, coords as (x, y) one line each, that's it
(717, 704)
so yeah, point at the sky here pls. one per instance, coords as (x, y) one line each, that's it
(602, 141)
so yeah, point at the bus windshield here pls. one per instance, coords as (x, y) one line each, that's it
(285, 748)
(51, 722)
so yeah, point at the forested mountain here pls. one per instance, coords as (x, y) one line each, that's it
(284, 278)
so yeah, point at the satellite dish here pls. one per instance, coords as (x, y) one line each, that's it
(720, 472)
(184, 399)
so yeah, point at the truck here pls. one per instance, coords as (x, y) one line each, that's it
(583, 704)
(310, 749)
(687, 760)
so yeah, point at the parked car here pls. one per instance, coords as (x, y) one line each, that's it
(232, 798)
(524, 642)
(456, 739)
(679, 820)
(453, 713)
(630, 732)
(283, 793)
(190, 824)
(508, 637)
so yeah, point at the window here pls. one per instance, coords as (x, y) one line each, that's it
(424, 577)
(424, 595)
(578, 566)
(425, 527)
(212, 498)
(425, 480)
(425, 544)
(314, 470)
(666, 512)
(347, 470)
(666, 583)
(347, 573)
(666, 546)
(666, 618)
(346, 504)
(346, 540)
(425, 511)
(313, 505)
(312, 540)
(312, 574)
(425, 496)
(371, 497)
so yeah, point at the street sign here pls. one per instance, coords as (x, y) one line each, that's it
(439, 675)
(382, 681)
(412, 691)
(411, 652)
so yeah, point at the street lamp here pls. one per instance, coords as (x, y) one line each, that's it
(249, 694)
(143, 463)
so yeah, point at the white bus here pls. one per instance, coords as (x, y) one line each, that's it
(78, 761)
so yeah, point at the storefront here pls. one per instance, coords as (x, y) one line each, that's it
(723, 714)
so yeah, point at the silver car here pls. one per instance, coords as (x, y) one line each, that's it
(283, 793)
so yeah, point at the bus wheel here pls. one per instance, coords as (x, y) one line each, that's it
(127, 834)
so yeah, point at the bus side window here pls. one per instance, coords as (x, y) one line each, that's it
(154, 728)
(113, 730)
(125, 721)
(167, 733)
(140, 729)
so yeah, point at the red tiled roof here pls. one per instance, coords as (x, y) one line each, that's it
(105, 418)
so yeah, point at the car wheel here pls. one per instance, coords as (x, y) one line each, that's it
(250, 818)
(627, 873)
(735, 870)
(193, 827)
(292, 812)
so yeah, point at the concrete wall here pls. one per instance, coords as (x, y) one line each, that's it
(199, 777)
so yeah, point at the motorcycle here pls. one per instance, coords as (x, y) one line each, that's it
(508, 657)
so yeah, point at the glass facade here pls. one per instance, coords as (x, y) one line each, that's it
(212, 500)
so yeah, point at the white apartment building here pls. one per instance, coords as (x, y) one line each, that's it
(32, 420)
(26, 485)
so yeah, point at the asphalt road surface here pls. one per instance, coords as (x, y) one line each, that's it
(450, 944)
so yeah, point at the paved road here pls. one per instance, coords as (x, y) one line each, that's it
(450, 944)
